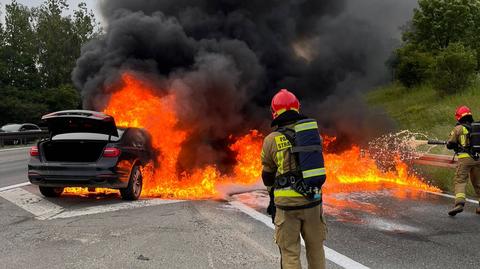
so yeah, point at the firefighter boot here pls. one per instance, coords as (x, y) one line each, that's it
(457, 209)
(478, 209)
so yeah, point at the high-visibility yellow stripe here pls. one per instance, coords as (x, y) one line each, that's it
(463, 155)
(313, 173)
(463, 137)
(280, 160)
(281, 111)
(460, 195)
(286, 193)
(306, 126)
(262, 154)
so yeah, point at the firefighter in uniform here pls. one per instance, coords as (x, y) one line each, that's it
(293, 214)
(468, 164)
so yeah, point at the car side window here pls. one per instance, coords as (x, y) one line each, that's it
(139, 140)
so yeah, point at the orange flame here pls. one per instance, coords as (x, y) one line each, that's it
(135, 105)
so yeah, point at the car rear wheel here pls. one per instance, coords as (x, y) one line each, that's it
(51, 191)
(134, 189)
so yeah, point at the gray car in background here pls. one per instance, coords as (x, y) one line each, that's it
(19, 128)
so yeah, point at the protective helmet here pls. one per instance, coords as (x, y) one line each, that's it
(284, 101)
(462, 112)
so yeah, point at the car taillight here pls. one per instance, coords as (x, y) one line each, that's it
(34, 151)
(111, 152)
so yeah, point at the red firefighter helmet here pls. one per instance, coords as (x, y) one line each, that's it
(284, 101)
(462, 112)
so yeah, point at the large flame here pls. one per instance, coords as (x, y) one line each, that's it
(135, 105)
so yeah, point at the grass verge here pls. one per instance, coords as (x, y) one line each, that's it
(422, 110)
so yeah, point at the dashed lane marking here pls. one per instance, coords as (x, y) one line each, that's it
(330, 254)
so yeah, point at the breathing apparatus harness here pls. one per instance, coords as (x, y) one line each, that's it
(306, 150)
(473, 147)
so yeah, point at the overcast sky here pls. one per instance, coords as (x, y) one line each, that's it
(92, 4)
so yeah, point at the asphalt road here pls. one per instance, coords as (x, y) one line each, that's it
(386, 229)
(13, 168)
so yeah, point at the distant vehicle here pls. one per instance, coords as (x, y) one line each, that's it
(86, 149)
(25, 127)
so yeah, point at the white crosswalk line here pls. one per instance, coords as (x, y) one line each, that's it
(38, 206)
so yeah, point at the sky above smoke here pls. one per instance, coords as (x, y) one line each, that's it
(225, 59)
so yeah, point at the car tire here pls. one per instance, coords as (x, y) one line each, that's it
(51, 191)
(135, 183)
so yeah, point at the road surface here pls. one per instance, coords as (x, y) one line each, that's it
(382, 229)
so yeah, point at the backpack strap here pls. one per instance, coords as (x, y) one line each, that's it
(311, 148)
(290, 135)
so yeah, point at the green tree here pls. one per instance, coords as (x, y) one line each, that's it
(60, 39)
(413, 66)
(84, 24)
(18, 50)
(62, 97)
(454, 69)
(38, 51)
(56, 43)
(437, 23)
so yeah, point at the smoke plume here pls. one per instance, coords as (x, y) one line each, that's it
(225, 59)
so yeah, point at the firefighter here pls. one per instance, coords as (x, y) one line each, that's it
(468, 163)
(296, 207)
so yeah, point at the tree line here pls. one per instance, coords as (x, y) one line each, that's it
(441, 46)
(39, 47)
(38, 50)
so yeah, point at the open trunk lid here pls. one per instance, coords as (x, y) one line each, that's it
(80, 121)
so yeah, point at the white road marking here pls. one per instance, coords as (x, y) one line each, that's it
(450, 196)
(14, 186)
(41, 208)
(111, 208)
(330, 254)
(15, 149)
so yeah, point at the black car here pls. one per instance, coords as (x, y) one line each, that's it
(86, 149)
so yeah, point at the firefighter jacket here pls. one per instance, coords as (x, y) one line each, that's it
(277, 158)
(459, 136)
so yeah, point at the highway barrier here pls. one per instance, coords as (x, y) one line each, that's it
(21, 138)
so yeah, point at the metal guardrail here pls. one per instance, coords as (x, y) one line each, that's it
(22, 138)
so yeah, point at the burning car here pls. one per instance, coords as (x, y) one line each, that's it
(86, 149)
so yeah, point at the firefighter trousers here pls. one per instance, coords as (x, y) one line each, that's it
(467, 167)
(289, 225)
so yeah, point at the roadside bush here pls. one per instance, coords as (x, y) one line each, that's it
(64, 97)
(413, 66)
(454, 69)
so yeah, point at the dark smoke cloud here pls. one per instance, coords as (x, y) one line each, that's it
(225, 59)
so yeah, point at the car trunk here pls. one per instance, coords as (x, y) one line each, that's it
(73, 150)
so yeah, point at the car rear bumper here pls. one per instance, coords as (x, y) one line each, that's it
(78, 176)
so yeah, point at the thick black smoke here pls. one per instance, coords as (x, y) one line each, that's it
(225, 59)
